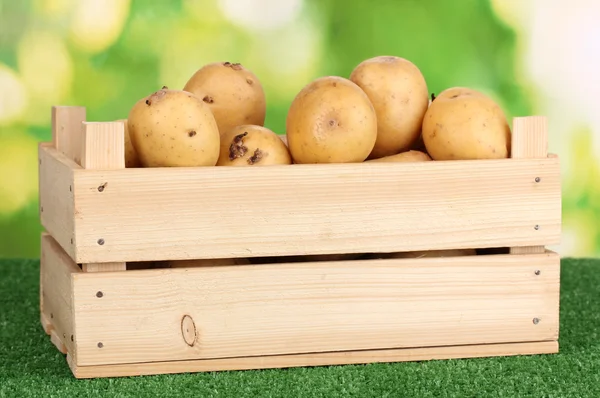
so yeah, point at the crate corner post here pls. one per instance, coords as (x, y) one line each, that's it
(103, 148)
(529, 140)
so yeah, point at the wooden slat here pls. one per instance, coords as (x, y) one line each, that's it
(529, 137)
(314, 359)
(223, 212)
(103, 146)
(276, 309)
(66, 130)
(103, 149)
(102, 267)
(57, 208)
(530, 141)
(56, 268)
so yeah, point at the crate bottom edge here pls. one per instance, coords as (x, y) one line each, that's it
(315, 359)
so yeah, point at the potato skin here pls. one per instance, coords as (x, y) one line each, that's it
(171, 128)
(407, 156)
(331, 120)
(251, 145)
(234, 94)
(458, 91)
(465, 124)
(399, 94)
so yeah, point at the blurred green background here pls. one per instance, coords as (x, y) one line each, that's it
(106, 54)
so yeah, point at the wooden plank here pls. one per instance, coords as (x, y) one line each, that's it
(103, 149)
(276, 309)
(103, 146)
(66, 130)
(530, 141)
(225, 212)
(102, 267)
(56, 268)
(314, 359)
(57, 207)
(529, 137)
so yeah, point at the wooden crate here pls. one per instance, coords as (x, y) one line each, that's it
(111, 306)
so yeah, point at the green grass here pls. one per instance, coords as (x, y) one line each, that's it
(30, 366)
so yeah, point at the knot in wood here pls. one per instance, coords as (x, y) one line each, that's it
(188, 330)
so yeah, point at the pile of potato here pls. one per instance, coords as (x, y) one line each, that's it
(381, 113)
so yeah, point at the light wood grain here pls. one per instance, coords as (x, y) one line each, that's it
(314, 359)
(529, 137)
(67, 130)
(530, 141)
(58, 342)
(225, 212)
(102, 267)
(56, 268)
(274, 309)
(103, 145)
(57, 207)
(103, 149)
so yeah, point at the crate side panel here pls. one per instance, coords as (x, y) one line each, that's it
(56, 268)
(231, 311)
(315, 359)
(163, 214)
(57, 213)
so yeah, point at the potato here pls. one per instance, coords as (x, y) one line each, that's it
(408, 156)
(131, 157)
(251, 145)
(331, 120)
(173, 128)
(233, 93)
(463, 124)
(399, 94)
(419, 145)
(207, 262)
(456, 91)
(428, 253)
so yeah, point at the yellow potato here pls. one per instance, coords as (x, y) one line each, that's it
(173, 128)
(250, 145)
(408, 156)
(399, 94)
(419, 145)
(233, 93)
(131, 157)
(331, 120)
(207, 262)
(457, 91)
(465, 124)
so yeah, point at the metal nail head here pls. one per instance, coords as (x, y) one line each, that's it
(536, 227)
(537, 179)
(536, 321)
(537, 272)
(101, 241)
(99, 294)
(100, 345)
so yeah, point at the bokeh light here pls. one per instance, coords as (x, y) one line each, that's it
(261, 14)
(13, 96)
(46, 70)
(97, 24)
(18, 171)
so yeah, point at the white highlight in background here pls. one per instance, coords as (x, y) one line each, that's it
(261, 14)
